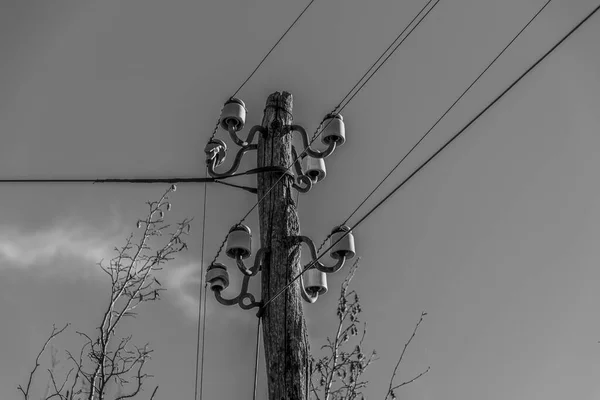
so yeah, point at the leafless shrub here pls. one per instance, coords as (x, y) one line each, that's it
(338, 375)
(105, 358)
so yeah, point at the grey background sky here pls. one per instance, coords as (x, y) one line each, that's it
(496, 239)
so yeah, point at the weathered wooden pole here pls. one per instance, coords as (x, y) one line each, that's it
(285, 338)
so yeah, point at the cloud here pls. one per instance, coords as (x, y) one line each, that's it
(182, 284)
(20, 249)
(41, 249)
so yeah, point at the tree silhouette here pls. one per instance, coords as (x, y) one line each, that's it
(339, 374)
(105, 358)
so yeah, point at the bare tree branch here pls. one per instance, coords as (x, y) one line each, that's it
(390, 392)
(413, 379)
(104, 358)
(55, 333)
(338, 375)
(154, 393)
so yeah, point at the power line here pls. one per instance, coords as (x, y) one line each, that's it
(216, 128)
(133, 180)
(381, 56)
(273, 48)
(112, 180)
(170, 180)
(447, 111)
(339, 108)
(205, 180)
(316, 135)
(256, 359)
(142, 180)
(201, 302)
(389, 55)
(387, 197)
(203, 341)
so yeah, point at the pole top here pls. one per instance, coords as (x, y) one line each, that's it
(280, 99)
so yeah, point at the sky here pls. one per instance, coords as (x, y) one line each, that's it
(496, 239)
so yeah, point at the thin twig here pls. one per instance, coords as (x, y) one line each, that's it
(54, 333)
(391, 386)
(154, 392)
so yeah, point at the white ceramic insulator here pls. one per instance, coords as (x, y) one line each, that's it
(315, 169)
(217, 277)
(235, 111)
(345, 246)
(239, 242)
(334, 130)
(315, 281)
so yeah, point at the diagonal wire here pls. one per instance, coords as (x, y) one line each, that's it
(350, 96)
(216, 128)
(273, 48)
(340, 107)
(257, 359)
(335, 110)
(380, 57)
(317, 134)
(445, 145)
(447, 111)
(438, 120)
(201, 314)
(203, 341)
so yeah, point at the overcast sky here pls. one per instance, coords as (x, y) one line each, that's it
(497, 239)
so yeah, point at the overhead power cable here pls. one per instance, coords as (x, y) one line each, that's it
(273, 48)
(380, 57)
(128, 180)
(438, 120)
(203, 341)
(216, 128)
(171, 180)
(447, 111)
(257, 357)
(201, 302)
(322, 129)
(142, 180)
(445, 145)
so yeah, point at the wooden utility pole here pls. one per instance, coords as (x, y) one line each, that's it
(285, 337)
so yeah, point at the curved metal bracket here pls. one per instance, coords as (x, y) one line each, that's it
(305, 296)
(297, 164)
(258, 259)
(244, 143)
(212, 162)
(300, 176)
(313, 153)
(245, 299)
(319, 265)
(303, 179)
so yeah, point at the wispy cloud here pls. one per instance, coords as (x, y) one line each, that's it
(19, 249)
(182, 284)
(41, 249)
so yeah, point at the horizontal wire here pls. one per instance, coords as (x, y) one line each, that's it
(134, 180)
(144, 180)
(112, 180)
